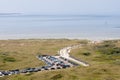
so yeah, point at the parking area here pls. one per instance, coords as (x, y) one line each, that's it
(56, 62)
(52, 63)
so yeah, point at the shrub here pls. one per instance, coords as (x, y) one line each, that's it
(115, 51)
(9, 59)
(56, 77)
(86, 53)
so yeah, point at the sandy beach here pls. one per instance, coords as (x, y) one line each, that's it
(55, 36)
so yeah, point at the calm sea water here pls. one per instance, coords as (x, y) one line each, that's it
(80, 27)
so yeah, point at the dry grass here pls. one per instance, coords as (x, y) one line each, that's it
(24, 52)
(102, 66)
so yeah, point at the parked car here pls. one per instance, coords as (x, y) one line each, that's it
(52, 68)
(5, 73)
(37, 69)
(58, 68)
(1, 74)
(30, 69)
(24, 71)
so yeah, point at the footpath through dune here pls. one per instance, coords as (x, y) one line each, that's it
(65, 54)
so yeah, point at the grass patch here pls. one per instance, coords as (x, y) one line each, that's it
(19, 77)
(29, 74)
(56, 77)
(9, 59)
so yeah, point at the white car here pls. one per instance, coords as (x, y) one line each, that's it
(1, 75)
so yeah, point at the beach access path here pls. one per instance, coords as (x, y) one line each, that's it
(65, 53)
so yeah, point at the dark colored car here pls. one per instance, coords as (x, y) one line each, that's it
(5, 73)
(58, 68)
(52, 68)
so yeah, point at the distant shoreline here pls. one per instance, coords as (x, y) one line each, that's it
(57, 36)
(40, 38)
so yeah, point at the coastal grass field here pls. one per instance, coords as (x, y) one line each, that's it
(104, 59)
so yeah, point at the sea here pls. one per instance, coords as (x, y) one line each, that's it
(93, 27)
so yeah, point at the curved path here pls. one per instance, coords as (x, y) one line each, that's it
(65, 54)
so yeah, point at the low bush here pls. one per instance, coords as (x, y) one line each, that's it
(86, 53)
(9, 59)
(56, 77)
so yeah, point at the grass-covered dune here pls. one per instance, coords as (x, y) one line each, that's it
(104, 59)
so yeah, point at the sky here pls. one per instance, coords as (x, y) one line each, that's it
(60, 6)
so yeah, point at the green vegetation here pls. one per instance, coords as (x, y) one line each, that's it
(86, 53)
(104, 59)
(5, 58)
(56, 77)
(9, 59)
(108, 48)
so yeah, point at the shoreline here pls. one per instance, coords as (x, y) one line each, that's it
(89, 39)
(71, 38)
(58, 36)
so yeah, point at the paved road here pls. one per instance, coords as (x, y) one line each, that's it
(65, 53)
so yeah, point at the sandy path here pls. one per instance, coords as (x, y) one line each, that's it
(65, 53)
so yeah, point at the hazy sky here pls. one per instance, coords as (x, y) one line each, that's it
(61, 6)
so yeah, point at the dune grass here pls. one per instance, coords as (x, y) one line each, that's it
(22, 54)
(104, 59)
